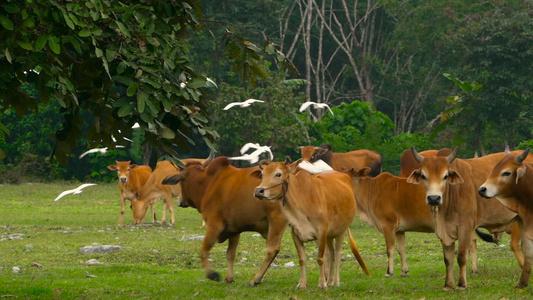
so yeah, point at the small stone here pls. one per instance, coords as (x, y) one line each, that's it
(93, 261)
(290, 265)
(256, 235)
(274, 266)
(100, 249)
(36, 265)
(244, 259)
(16, 270)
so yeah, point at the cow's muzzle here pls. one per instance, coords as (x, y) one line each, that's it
(434, 200)
(123, 179)
(259, 193)
(482, 191)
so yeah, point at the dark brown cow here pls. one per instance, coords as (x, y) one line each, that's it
(224, 195)
(131, 178)
(511, 182)
(357, 159)
(451, 192)
(318, 207)
(394, 207)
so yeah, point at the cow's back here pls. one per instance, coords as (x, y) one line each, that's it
(357, 159)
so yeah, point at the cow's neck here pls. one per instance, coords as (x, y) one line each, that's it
(363, 189)
(301, 207)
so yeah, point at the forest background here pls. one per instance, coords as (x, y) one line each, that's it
(430, 74)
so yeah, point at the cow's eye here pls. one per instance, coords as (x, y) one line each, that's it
(278, 174)
(445, 176)
(312, 157)
(506, 173)
(423, 177)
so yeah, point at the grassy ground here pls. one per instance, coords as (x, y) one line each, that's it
(156, 262)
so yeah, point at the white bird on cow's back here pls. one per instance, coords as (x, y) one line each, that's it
(74, 191)
(98, 150)
(254, 156)
(315, 105)
(242, 104)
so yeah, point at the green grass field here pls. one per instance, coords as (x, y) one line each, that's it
(156, 262)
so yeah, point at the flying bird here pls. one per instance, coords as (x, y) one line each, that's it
(242, 104)
(316, 167)
(252, 157)
(256, 146)
(98, 150)
(74, 191)
(305, 105)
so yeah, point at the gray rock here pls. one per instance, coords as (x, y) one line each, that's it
(36, 265)
(100, 249)
(192, 237)
(290, 264)
(92, 262)
(16, 270)
(274, 266)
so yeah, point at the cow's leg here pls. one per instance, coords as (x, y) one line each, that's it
(300, 248)
(233, 242)
(211, 236)
(322, 244)
(152, 211)
(473, 255)
(400, 245)
(515, 243)
(465, 242)
(276, 229)
(329, 262)
(337, 260)
(122, 209)
(527, 250)
(449, 256)
(388, 233)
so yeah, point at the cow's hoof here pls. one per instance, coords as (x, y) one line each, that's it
(520, 286)
(301, 286)
(388, 275)
(212, 275)
(461, 288)
(229, 280)
(447, 289)
(406, 274)
(253, 284)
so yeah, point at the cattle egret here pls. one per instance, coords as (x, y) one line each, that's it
(305, 105)
(98, 150)
(256, 146)
(316, 167)
(74, 191)
(211, 82)
(254, 156)
(242, 104)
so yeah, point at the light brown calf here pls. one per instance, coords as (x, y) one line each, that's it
(131, 178)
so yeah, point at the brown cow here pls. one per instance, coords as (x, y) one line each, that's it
(131, 178)
(318, 207)
(451, 193)
(394, 207)
(153, 190)
(511, 182)
(357, 159)
(224, 196)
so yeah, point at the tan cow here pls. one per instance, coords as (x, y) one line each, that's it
(451, 192)
(318, 207)
(357, 159)
(131, 178)
(511, 182)
(224, 195)
(153, 191)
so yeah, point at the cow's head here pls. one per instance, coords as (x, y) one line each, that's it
(504, 176)
(357, 174)
(139, 209)
(123, 169)
(274, 179)
(435, 173)
(312, 154)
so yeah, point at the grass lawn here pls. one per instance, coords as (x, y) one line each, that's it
(162, 262)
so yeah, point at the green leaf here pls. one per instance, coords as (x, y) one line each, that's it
(53, 43)
(8, 55)
(84, 33)
(132, 89)
(123, 29)
(69, 21)
(6, 22)
(99, 52)
(125, 110)
(121, 67)
(166, 132)
(25, 45)
(41, 42)
(141, 102)
(10, 8)
(196, 82)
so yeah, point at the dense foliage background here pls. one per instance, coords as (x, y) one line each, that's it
(396, 73)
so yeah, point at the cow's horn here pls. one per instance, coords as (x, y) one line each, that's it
(507, 151)
(419, 158)
(520, 158)
(452, 156)
(209, 158)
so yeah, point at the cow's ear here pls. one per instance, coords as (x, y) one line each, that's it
(173, 179)
(112, 167)
(362, 173)
(133, 166)
(256, 173)
(294, 166)
(320, 151)
(415, 177)
(287, 160)
(520, 172)
(454, 177)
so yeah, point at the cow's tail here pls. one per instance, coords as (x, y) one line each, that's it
(355, 251)
(489, 238)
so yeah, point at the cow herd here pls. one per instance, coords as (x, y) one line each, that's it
(435, 192)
